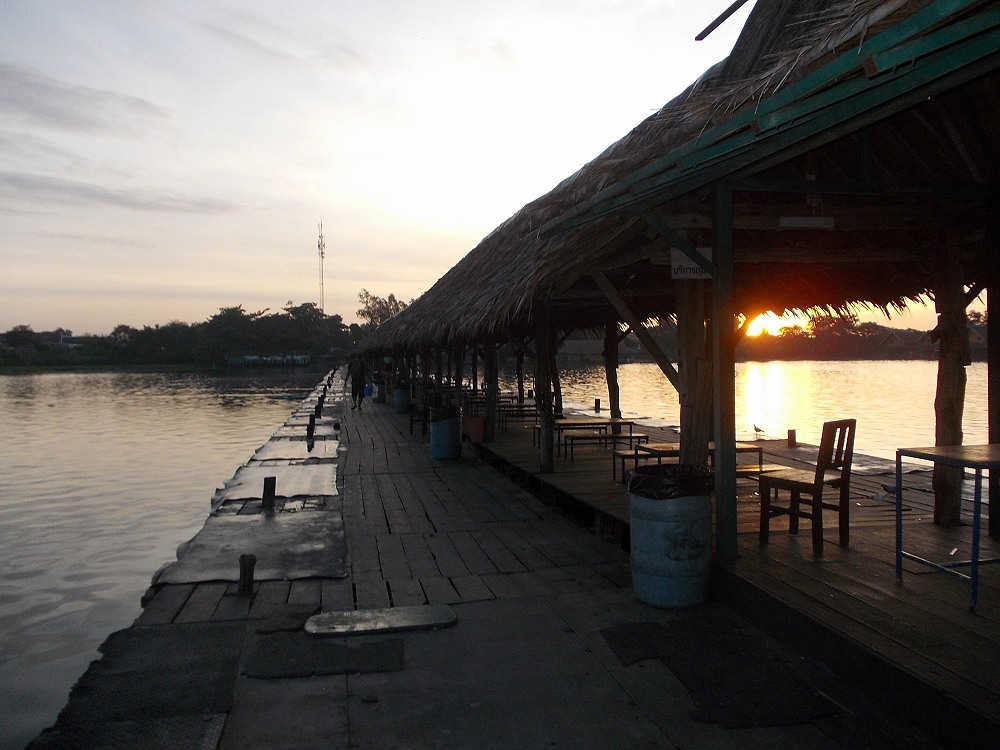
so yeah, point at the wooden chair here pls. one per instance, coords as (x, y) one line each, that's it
(833, 469)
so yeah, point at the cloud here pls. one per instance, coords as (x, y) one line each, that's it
(36, 189)
(276, 43)
(40, 100)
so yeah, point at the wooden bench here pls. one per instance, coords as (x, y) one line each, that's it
(522, 413)
(629, 455)
(603, 438)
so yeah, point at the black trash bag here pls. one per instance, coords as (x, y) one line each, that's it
(672, 481)
(441, 413)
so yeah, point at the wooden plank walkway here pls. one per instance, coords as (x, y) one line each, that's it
(444, 532)
(418, 532)
(846, 603)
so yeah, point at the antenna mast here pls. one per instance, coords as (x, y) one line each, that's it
(321, 245)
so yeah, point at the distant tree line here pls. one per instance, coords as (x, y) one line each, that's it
(843, 337)
(829, 337)
(305, 330)
(230, 337)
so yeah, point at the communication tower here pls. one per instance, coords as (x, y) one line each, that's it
(321, 245)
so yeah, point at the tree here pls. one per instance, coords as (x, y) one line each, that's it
(822, 325)
(376, 310)
(21, 336)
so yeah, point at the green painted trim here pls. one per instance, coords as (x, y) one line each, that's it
(917, 23)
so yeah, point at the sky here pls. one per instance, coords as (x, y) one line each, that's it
(160, 160)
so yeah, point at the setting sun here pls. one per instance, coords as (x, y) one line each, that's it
(772, 324)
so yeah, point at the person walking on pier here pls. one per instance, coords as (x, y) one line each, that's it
(356, 371)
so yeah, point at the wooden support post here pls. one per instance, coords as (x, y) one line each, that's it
(557, 401)
(267, 496)
(991, 271)
(491, 374)
(519, 358)
(543, 390)
(459, 372)
(724, 359)
(474, 364)
(247, 563)
(311, 429)
(949, 400)
(611, 360)
(695, 373)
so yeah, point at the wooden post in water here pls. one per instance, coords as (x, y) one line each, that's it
(949, 400)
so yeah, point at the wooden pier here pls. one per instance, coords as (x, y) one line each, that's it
(846, 606)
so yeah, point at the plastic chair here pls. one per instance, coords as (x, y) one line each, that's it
(833, 469)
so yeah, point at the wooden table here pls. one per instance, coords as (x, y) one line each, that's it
(659, 451)
(976, 457)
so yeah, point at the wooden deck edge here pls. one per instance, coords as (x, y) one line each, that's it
(608, 526)
(954, 724)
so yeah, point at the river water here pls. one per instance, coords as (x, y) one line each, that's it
(103, 475)
(893, 401)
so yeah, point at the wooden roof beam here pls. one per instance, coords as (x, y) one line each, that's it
(658, 355)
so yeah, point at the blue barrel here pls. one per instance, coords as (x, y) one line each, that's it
(402, 400)
(671, 541)
(446, 432)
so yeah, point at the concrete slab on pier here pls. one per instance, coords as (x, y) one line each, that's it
(287, 545)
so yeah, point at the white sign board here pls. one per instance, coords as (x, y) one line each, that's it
(682, 267)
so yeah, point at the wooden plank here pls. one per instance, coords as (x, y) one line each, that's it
(306, 593)
(471, 588)
(337, 595)
(418, 556)
(232, 606)
(439, 590)
(270, 598)
(448, 560)
(392, 557)
(476, 560)
(503, 586)
(871, 638)
(405, 592)
(202, 603)
(167, 602)
(370, 591)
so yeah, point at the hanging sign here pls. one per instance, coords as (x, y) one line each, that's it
(683, 267)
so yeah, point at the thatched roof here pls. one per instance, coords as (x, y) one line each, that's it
(907, 170)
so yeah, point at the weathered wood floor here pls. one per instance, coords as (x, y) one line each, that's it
(422, 531)
(418, 531)
(921, 627)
